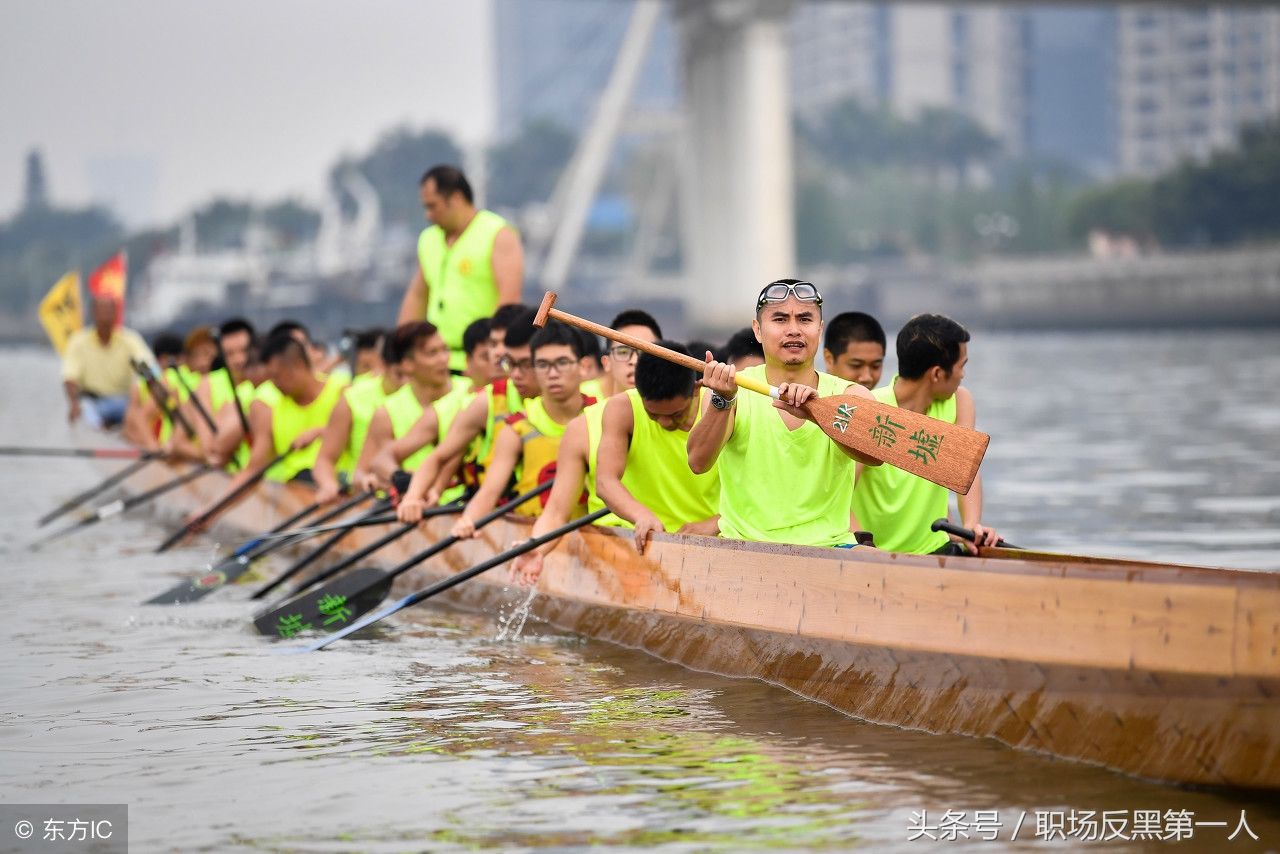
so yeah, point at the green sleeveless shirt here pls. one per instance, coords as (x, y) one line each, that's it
(784, 486)
(896, 506)
(460, 279)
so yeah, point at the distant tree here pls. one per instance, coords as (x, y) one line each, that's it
(394, 167)
(291, 220)
(40, 244)
(525, 169)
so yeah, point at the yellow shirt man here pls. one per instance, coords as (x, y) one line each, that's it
(103, 370)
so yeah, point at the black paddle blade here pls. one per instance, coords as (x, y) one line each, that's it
(193, 589)
(330, 608)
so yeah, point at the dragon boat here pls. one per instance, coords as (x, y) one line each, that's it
(1166, 672)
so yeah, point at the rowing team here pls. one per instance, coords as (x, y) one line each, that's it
(661, 448)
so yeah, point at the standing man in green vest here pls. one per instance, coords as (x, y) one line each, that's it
(469, 262)
(782, 480)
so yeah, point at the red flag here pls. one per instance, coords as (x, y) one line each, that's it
(110, 280)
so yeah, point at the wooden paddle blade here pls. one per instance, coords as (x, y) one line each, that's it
(943, 453)
(329, 608)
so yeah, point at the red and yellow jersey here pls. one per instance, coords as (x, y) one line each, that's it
(540, 436)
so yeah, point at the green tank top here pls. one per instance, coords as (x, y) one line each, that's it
(290, 420)
(404, 410)
(594, 417)
(220, 394)
(363, 398)
(659, 474)
(784, 486)
(898, 507)
(177, 394)
(460, 279)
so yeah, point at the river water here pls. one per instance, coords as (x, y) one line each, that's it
(437, 736)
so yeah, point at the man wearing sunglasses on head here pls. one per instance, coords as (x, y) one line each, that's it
(765, 446)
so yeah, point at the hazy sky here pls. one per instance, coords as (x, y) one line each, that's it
(158, 105)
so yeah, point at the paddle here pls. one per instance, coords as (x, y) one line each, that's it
(935, 450)
(115, 508)
(92, 453)
(164, 400)
(200, 410)
(335, 611)
(201, 586)
(222, 504)
(365, 588)
(235, 399)
(965, 533)
(80, 498)
(363, 522)
(349, 560)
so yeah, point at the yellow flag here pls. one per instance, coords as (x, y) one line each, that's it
(60, 310)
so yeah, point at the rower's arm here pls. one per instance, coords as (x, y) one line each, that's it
(378, 437)
(971, 503)
(414, 305)
(137, 417)
(262, 453)
(333, 441)
(230, 434)
(508, 266)
(507, 447)
(611, 460)
(708, 437)
(571, 471)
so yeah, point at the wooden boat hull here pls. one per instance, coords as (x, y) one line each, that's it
(1165, 672)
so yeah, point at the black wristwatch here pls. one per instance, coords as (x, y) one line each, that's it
(721, 402)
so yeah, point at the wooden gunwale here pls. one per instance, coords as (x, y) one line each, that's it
(1166, 672)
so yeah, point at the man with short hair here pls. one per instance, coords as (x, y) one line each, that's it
(470, 436)
(643, 461)
(853, 348)
(480, 369)
(97, 371)
(743, 350)
(897, 507)
(343, 439)
(225, 392)
(294, 420)
(782, 479)
(525, 448)
(424, 398)
(469, 261)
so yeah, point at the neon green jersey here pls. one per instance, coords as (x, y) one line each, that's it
(460, 282)
(898, 507)
(784, 486)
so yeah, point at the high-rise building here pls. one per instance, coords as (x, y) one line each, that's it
(972, 59)
(1072, 68)
(1188, 79)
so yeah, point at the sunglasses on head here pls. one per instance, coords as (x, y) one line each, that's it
(779, 291)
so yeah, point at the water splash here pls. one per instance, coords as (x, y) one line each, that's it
(511, 624)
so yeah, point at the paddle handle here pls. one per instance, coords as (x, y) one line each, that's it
(235, 398)
(455, 579)
(223, 503)
(91, 453)
(548, 310)
(200, 410)
(965, 533)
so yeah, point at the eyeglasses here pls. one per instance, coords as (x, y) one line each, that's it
(508, 364)
(779, 291)
(623, 353)
(559, 365)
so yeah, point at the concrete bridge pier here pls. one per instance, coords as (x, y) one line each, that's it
(736, 197)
